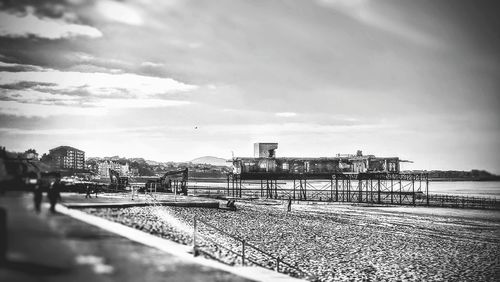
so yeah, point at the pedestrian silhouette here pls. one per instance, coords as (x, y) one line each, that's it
(37, 197)
(54, 194)
(87, 191)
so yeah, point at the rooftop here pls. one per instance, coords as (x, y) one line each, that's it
(65, 148)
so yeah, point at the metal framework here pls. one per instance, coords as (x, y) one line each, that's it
(171, 181)
(376, 188)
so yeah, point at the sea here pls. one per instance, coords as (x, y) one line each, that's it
(466, 188)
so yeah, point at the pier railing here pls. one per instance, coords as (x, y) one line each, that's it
(452, 201)
(233, 250)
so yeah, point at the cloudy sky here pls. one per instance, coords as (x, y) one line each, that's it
(175, 80)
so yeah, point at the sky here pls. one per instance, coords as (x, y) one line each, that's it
(174, 80)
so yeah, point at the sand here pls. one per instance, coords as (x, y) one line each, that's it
(339, 242)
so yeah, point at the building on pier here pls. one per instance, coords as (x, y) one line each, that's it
(265, 162)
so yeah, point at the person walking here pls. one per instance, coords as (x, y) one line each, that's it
(37, 197)
(87, 191)
(289, 208)
(54, 194)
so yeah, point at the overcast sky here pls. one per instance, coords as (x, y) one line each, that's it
(176, 80)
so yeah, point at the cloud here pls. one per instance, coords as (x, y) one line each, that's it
(43, 110)
(84, 62)
(12, 67)
(39, 104)
(364, 12)
(94, 69)
(26, 85)
(151, 64)
(276, 129)
(100, 84)
(53, 92)
(77, 131)
(266, 129)
(119, 12)
(12, 25)
(35, 96)
(138, 103)
(286, 114)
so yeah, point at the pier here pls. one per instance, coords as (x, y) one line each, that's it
(375, 188)
(345, 178)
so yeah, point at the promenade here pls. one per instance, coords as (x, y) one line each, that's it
(58, 247)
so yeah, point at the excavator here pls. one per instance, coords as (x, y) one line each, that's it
(117, 182)
(171, 181)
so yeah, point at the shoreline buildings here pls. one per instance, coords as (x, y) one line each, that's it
(103, 168)
(66, 157)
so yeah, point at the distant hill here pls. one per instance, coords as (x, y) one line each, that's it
(211, 160)
(457, 175)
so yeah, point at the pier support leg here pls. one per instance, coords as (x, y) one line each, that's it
(241, 188)
(371, 190)
(427, 189)
(413, 189)
(348, 190)
(276, 189)
(305, 189)
(366, 188)
(360, 188)
(343, 190)
(400, 192)
(378, 187)
(392, 191)
(331, 188)
(336, 189)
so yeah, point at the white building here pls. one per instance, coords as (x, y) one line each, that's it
(105, 166)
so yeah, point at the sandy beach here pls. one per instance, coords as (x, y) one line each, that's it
(338, 242)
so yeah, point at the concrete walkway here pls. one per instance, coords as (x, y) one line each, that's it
(74, 246)
(56, 247)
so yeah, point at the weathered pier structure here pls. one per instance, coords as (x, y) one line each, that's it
(344, 178)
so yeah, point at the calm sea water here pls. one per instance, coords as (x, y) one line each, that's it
(470, 188)
(459, 188)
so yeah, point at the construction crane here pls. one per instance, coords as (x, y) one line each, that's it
(175, 180)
